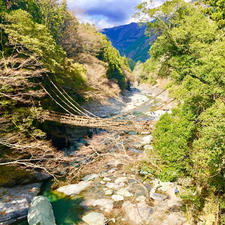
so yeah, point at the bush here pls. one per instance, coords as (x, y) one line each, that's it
(171, 141)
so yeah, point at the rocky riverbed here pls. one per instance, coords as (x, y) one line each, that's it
(110, 188)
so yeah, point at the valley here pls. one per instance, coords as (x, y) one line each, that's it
(124, 126)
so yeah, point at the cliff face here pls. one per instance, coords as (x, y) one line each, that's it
(130, 40)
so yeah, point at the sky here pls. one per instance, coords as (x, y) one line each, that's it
(106, 13)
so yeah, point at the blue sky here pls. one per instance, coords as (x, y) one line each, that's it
(106, 13)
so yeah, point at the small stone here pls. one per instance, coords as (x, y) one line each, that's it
(74, 189)
(148, 148)
(102, 182)
(132, 133)
(113, 220)
(135, 150)
(112, 170)
(90, 177)
(94, 218)
(114, 186)
(141, 198)
(146, 139)
(117, 198)
(124, 192)
(109, 192)
(157, 197)
(121, 180)
(131, 181)
(107, 179)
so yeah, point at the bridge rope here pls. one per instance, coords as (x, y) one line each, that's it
(69, 99)
(55, 100)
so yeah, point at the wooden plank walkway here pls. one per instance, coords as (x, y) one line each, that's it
(104, 123)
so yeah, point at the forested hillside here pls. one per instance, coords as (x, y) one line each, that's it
(45, 52)
(131, 40)
(189, 143)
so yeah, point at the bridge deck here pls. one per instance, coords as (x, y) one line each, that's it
(104, 123)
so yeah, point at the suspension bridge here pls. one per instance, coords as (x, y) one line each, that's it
(107, 124)
(77, 116)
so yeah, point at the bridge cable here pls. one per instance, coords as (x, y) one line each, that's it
(56, 101)
(66, 102)
(69, 106)
(76, 107)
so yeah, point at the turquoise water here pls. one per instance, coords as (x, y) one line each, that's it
(67, 211)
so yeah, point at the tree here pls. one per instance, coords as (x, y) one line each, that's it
(190, 51)
(215, 9)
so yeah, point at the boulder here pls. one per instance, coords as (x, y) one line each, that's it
(41, 212)
(94, 218)
(14, 202)
(74, 189)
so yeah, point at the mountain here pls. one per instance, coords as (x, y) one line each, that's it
(130, 40)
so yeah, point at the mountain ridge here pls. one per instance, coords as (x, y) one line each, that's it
(130, 40)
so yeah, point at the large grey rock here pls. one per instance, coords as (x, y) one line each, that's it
(74, 189)
(94, 218)
(137, 214)
(41, 212)
(14, 202)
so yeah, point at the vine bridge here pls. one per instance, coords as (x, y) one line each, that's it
(96, 122)
(77, 116)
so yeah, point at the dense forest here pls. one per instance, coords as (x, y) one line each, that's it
(45, 52)
(189, 143)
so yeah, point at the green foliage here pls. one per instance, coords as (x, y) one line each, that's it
(24, 33)
(31, 6)
(172, 137)
(53, 15)
(190, 141)
(116, 63)
(139, 50)
(147, 71)
(215, 9)
(209, 149)
(131, 63)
